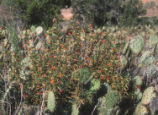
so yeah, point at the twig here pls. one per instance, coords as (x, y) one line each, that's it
(42, 103)
(8, 104)
(17, 110)
(94, 109)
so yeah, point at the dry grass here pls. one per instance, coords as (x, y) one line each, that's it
(5, 14)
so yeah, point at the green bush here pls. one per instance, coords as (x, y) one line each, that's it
(102, 12)
(74, 65)
(37, 11)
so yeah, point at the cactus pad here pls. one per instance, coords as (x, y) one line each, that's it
(137, 44)
(51, 101)
(148, 95)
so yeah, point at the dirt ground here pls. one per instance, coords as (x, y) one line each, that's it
(152, 11)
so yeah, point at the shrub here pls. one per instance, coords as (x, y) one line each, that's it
(37, 11)
(102, 12)
(74, 65)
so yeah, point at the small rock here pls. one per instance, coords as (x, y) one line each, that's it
(67, 13)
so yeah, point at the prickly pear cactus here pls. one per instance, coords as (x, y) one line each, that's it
(33, 29)
(138, 80)
(51, 104)
(152, 71)
(138, 95)
(148, 95)
(75, 110)
(112, 99)
(123, 61)
(95, 85)
(141, 110)
(102, 110)
(137, 44)
(153, 39)
(26, 62)
(108, 107)
(125, 48)
(146, 59)
(153, 105)
(83, 74)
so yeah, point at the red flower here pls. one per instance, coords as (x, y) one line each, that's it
(138, 87)
(107, 78)
(78, 22)
(52, 67)
(52, 81)
(43, 75)
(54, 57)
(103, 40)
(90, 25)
(102, 33)
(37, 87)
(1, 27)
(60, 75)
(60, 90)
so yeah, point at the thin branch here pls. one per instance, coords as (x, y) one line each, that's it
(8, 104)
(17, 110)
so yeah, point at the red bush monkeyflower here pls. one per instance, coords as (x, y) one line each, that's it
(90, 25)
(60, 75)
(45, 35)
(99, 71)
(116, 78)
(38, 87)
(102, 33)
(54, 20)
(107, 78)
(108, 64)
(52, 81)
(60, 91)
(54, 57)
(43, 75)
(78, 22)
(138, 87)
(102, 77)
(1, 28)
(52, 67)
(102, 40)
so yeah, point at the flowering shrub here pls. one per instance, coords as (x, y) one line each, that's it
(65, 63)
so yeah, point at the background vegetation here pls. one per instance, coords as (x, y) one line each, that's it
(97, 63)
